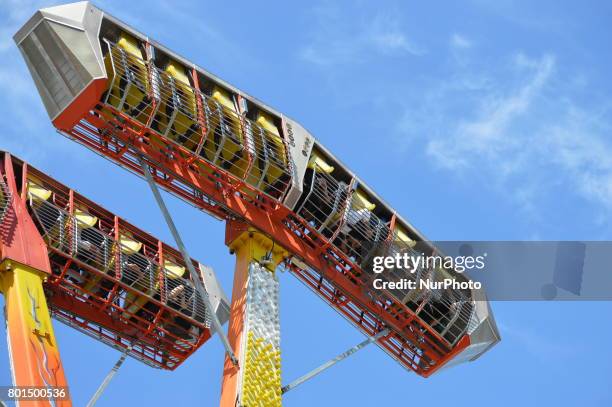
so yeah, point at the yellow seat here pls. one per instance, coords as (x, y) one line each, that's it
(271, 159)
(36, 193)
(134, 300)
(49, 215)
(182, 112)
(224, 145)
(174, 275)
(94, 279)
(402, 237)
(84, 219)
(359, 210)
(173, 270)
(360, 201)
(322, 200)
(317, 163)
(128, 244)
(129, 70)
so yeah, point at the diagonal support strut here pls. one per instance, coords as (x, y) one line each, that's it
(108, 378)
(333, 361)
(181, 246)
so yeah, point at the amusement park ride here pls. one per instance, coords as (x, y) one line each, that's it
(288, 203)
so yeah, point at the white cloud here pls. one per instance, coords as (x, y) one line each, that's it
(519, 130)
(337, 39)
(579, 144)
(385, 34)
(488, 133)
(527, 14)
(394, 40)
(458, 41)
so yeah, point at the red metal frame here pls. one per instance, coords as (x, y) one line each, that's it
(19, 238)
(117, 136)
(24, 266)
(102, 316)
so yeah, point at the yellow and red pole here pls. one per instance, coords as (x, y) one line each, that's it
(24, 265)
(33, 350)
(253, 331)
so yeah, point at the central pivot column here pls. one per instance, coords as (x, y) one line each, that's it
(35, 359)
(254, 324)
(24, 266)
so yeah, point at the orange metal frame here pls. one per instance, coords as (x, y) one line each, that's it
(35, 359)
(332, 275)
(235, 332)
(86, 309)
(248, 246)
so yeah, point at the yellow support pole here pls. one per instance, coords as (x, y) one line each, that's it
(33, 350)
(253, 330)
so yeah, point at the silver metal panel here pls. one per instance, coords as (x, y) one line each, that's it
(73, 42)
(482, 331)
(300, 143)
(61, 49)
(218, 299)
(485, 332)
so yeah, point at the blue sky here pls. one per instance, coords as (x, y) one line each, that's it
(479, 120)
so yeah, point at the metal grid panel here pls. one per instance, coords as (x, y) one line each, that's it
(183, 114)
(112, 292)
(5, 199)
(330, 207)
(141, 274)
(122, 140)
(118, 135)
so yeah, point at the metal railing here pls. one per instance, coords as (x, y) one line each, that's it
(333, 210)
(143, 277)
(184, 115)
(242, 147)
(5, 199)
